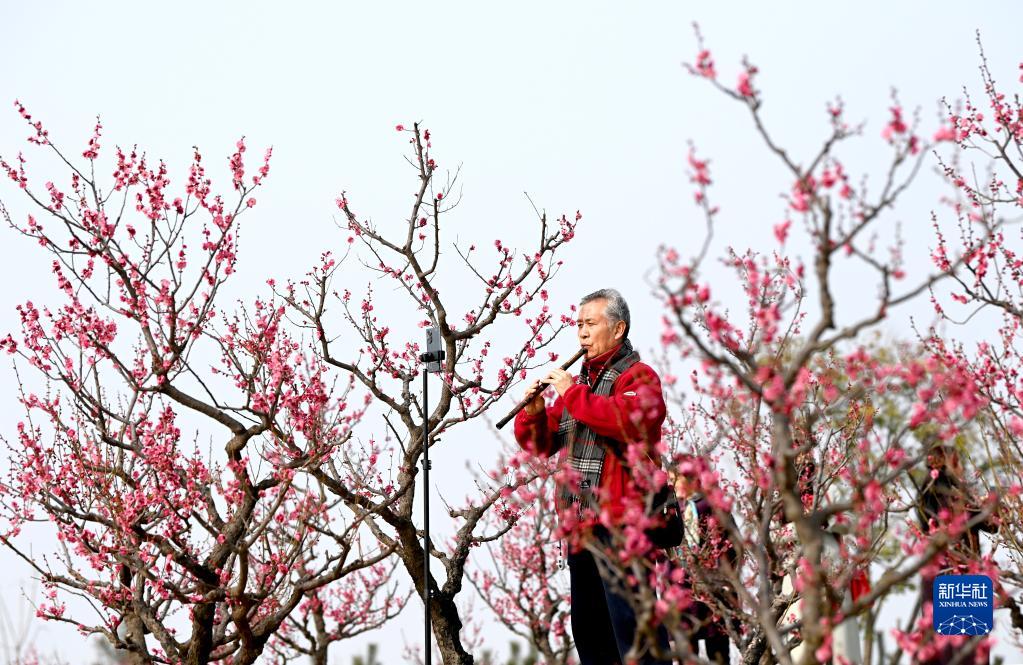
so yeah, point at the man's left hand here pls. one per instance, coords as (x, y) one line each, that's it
(560, 379)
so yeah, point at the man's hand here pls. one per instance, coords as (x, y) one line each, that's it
(536, 406)
(560, 379)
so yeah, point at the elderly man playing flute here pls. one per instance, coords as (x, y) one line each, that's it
(614, 403)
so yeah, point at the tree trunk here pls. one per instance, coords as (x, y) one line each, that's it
(447, 628)
(444, 619)
(134, 634)
(202, 640)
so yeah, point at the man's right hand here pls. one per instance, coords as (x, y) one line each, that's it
(535, 406)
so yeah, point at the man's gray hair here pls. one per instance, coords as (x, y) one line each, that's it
(617, 309)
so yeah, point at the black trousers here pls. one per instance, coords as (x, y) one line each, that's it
(603, 623)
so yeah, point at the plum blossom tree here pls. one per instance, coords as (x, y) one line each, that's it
(184, 551)
(985, 167)
(811, 438)
(525, 586)
(510, 297)
(212, 556)
(360, 602)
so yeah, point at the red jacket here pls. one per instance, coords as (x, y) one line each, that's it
(632, 413)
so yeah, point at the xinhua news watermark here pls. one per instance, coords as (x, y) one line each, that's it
(963, 605)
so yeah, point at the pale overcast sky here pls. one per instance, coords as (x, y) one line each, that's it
(584, 105)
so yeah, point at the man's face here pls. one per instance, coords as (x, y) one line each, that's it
(940, 458)
(595, 333)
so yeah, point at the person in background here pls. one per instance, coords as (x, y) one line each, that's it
(708, 555)
(944, 494)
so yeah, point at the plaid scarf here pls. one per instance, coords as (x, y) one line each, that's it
(586, 448)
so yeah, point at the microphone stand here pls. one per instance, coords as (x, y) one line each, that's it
(433, 358)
